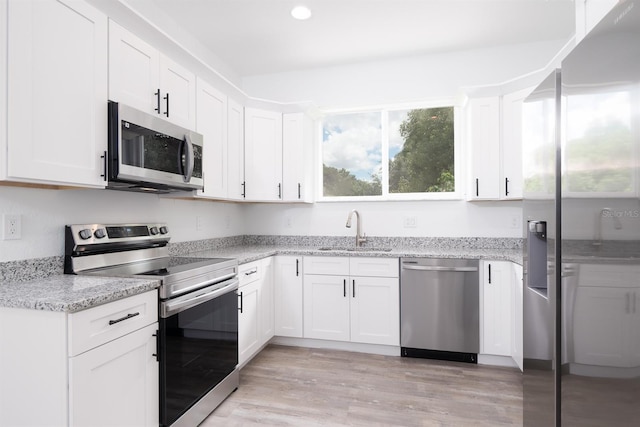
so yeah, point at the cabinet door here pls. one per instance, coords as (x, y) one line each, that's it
(178, 90)
(266, 301)
(483, 134)
(297, 142)
(496, 308)
(511, 156)
(600, 326)
(248, 321)
(56, 92)
(263, 155)
(288, 296)
(235, 146)
(375, 310)
(133, 71)
(326, 307)
(212, 124)
(516, 335)
(116, 384)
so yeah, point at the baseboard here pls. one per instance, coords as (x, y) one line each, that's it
(384, 350)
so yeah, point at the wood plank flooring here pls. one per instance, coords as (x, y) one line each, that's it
(293, 386)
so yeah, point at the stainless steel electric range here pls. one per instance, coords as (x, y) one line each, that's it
(198, 311)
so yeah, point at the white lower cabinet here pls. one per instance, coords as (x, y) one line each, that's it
(117, 383)
(517, 352)
(606, 319)
(288, 296)
(342, 306)
(255, 316)
(496, 308)
(81, 368)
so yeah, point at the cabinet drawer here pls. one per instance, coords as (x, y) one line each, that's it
(96, 326)
(338, 266)
(374, 267)
(249, 273)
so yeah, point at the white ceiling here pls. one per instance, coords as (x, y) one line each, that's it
(258, 37)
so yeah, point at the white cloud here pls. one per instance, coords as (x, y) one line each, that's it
(353, 142)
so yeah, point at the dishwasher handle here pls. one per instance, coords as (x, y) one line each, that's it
(438, 268)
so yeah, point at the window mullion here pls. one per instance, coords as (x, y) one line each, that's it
(385, 152)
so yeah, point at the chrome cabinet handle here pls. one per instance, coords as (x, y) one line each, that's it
(297, 267)
(353, 288)
(157, 94)
(344, 288)
(489, 273)
(249, 273)
(128, 316)
(241, 302)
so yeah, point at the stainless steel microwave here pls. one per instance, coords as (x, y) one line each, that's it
(147, 153)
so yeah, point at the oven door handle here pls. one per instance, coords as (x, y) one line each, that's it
(185, 302)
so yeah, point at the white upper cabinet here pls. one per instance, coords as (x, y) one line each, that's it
(589, 13)
(235, 150)
(56, 93)
(212, 124)
(263, 155)
(297, 138)
(511, 144)
(484, 147)
(141, 77)
(494, 137)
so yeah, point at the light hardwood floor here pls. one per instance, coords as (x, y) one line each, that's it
(293, 386)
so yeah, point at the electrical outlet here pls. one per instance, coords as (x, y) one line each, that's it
(199, 223)
(11, 226)
(288, 222)
(514, 222)
(410, 222)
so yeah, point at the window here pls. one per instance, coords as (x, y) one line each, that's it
(388, 153)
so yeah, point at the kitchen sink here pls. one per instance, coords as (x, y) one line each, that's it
(354, 249)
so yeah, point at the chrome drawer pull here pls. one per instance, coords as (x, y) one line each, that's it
(128, 316)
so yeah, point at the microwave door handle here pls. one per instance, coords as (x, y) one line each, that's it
(190, 158)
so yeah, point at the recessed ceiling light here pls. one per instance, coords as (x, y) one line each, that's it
(301, 12)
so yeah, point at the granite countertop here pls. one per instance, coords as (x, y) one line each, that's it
(248, 253)
(40, 285)
(69, 293)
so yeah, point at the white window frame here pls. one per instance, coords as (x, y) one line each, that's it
(459, 155)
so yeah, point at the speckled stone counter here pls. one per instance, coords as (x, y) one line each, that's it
(69, 293)
(248, 253)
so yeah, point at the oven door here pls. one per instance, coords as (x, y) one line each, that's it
(198, 346)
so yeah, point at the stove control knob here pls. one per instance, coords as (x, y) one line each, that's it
(85, 234)
(164, 230)
(154, 231)
(99, 233)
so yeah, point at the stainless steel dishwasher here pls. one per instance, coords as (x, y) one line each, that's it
(439, 309)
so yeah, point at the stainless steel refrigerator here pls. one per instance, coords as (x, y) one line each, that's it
(581, 209)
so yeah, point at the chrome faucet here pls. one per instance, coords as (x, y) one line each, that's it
(617, 224)
(360, 238)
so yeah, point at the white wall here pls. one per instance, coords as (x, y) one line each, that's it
(440, 76)
(411, 79)
(44, 214)
(433, 219)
